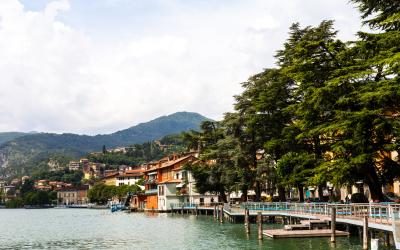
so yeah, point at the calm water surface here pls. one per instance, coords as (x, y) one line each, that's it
(100, 229)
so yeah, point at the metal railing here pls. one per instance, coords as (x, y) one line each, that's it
(382, 213)
(194, 205)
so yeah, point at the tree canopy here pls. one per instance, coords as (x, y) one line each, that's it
(328, 113)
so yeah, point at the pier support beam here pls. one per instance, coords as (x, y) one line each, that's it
(246, 221)
(182, 210)
(215, 212)
(333, 224)
(196, 211)
(221, 214)
(260, 225)
(387, 239)
(365, 233)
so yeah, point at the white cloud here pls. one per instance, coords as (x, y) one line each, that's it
(54, 77)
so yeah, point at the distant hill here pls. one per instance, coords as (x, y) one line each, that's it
(19, 155)
(8, 136)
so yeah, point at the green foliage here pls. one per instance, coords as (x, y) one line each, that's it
(27, 186)
(8, 136)
(101, 193)
(328, 113)
(37, 198)
(14, 203)
(74, 177)
(113, 159)
(217, 176)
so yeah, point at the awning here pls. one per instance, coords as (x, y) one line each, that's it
(180, 185)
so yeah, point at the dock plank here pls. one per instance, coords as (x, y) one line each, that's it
(281, 233)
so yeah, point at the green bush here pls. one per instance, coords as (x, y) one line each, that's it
(14, 203)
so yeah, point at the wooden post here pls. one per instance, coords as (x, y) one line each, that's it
(260, 225)
(333, 224)
(196, 211)
(246, 221)
(215, 212)
(182, 210)
(221, 214)
(365, 233)
(387, 239)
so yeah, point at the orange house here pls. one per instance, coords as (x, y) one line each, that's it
(162, 180)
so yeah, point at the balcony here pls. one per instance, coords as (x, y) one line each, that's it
(151, 181)
(182, 191)
(150, 191)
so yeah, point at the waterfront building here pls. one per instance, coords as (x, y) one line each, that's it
(168, 183)
(138, 202)
(73, 195)
(151, 181)
(129, 177)
(110, 178)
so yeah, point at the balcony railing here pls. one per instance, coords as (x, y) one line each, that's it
(151, 191)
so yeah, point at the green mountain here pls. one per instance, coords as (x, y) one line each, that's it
(20, 155)
(8, 136)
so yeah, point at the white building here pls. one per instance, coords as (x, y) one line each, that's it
(129, 177)
(74, 165)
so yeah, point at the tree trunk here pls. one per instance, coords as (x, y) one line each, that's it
(281, 192)
(244, 194)
(258, 191)
(375, 186)
(301, 193)
(222, 195)
(320, 192)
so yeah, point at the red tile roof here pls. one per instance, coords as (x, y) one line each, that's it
(171, 181)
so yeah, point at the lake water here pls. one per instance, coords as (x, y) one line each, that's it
(100, 229)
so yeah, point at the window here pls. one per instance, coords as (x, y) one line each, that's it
(160, 190)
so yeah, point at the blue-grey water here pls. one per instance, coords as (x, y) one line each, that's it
(101, 229)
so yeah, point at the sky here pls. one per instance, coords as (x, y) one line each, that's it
(90, 67)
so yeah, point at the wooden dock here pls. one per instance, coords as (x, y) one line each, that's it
(281, 233)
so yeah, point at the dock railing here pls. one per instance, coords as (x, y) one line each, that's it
(188, 205)
(382, 213)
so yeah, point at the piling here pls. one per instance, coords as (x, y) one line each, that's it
(215, 212)
(333, 224)
(182, 210)
(260, 225)
(246, 221)
(221, 214)
(196, 211)
(387, 239)
(365, 233)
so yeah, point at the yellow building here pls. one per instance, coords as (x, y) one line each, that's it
(110, 179)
